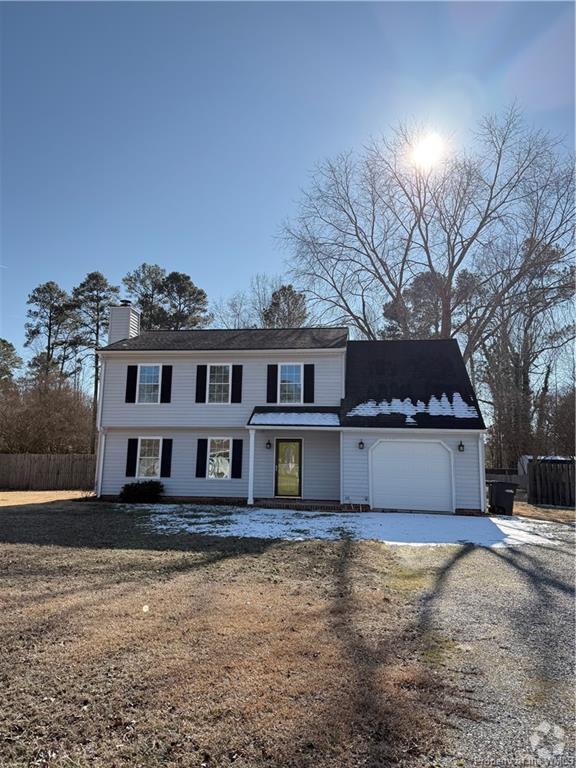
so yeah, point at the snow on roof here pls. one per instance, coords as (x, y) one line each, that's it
(435, 407)
(303, 419)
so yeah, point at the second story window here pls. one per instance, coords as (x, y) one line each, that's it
(290, 383)
(149, 384)
(218, 384)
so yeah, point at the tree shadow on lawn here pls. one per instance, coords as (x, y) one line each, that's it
(544, 592)
(384, 704)
(99, 525)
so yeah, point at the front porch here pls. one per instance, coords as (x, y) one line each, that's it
(294, 458)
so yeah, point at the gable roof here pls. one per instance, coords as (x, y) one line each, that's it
(216, 339)
(408, 384)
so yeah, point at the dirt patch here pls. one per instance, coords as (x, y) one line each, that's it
(121, 647)
(22, 498)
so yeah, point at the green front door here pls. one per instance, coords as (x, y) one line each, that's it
(288, 468)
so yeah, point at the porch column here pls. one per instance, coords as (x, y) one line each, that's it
(251, 467)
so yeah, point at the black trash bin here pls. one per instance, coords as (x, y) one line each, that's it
(501, 497)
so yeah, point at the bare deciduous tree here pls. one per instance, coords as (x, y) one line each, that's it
(246, 309)
(373, 223)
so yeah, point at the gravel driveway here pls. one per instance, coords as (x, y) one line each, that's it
(503, 621)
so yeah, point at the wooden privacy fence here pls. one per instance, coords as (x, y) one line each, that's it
(551, 482)
(47, 471)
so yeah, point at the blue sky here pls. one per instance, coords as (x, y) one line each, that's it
(181, 133)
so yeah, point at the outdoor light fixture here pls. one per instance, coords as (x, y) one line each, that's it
(361, 445)
(461, 446)
(268, 444)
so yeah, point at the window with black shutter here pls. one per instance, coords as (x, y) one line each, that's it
(201, 383)
(131, 456)
(272, 384)
(237, 446)
(131, 380)
(309, 383)
(236, 395)
(166, 460)
(201, 457)
(166, 384)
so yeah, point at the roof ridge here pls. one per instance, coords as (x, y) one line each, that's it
(232, 330)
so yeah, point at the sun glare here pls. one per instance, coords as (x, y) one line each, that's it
(428, 151)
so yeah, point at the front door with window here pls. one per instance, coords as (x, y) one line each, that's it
(288, 468)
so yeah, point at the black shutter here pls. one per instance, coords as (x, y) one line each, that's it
(309, 383)
(166, 460)
(201, 383)
(237, 458)
(236, 396)
(166, 385)
(201, 455)
(131, 456)
(131, 378)
(272, 385)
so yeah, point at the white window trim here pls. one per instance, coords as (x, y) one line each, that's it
(149, 477)
(292, 402)
(219, 365)
(148, 365)
(223, 437)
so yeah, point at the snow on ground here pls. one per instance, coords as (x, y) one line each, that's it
(390, 527)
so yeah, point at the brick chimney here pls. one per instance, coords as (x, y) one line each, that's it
(124, 322)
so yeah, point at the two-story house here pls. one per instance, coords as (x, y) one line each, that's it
(300, 413)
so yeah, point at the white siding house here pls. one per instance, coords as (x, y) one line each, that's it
(288, 415)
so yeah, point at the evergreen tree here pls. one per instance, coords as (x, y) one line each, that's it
(92, 300)
(287, 309)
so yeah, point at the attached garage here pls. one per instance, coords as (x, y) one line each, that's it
(411, 475)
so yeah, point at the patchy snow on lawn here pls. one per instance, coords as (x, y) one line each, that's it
(389, 527)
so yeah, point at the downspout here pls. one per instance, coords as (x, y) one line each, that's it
(101, 433)
(482, 471)
(341, 469)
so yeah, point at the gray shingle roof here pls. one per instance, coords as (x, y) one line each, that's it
(229, 340)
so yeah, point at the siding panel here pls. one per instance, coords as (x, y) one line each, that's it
(183, 411)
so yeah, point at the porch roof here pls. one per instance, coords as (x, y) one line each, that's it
(301, 416)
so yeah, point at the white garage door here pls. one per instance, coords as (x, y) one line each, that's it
(411, 475)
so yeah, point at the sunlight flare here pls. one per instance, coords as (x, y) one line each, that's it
(428, 152)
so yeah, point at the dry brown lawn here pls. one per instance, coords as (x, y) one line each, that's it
(553, 514)
(124, 648)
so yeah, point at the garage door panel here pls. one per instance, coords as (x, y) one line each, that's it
(411, 475)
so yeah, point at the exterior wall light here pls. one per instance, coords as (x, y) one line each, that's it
(461, 446)
(361, 445)
(268, 444)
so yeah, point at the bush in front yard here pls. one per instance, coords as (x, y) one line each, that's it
(148, 490)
